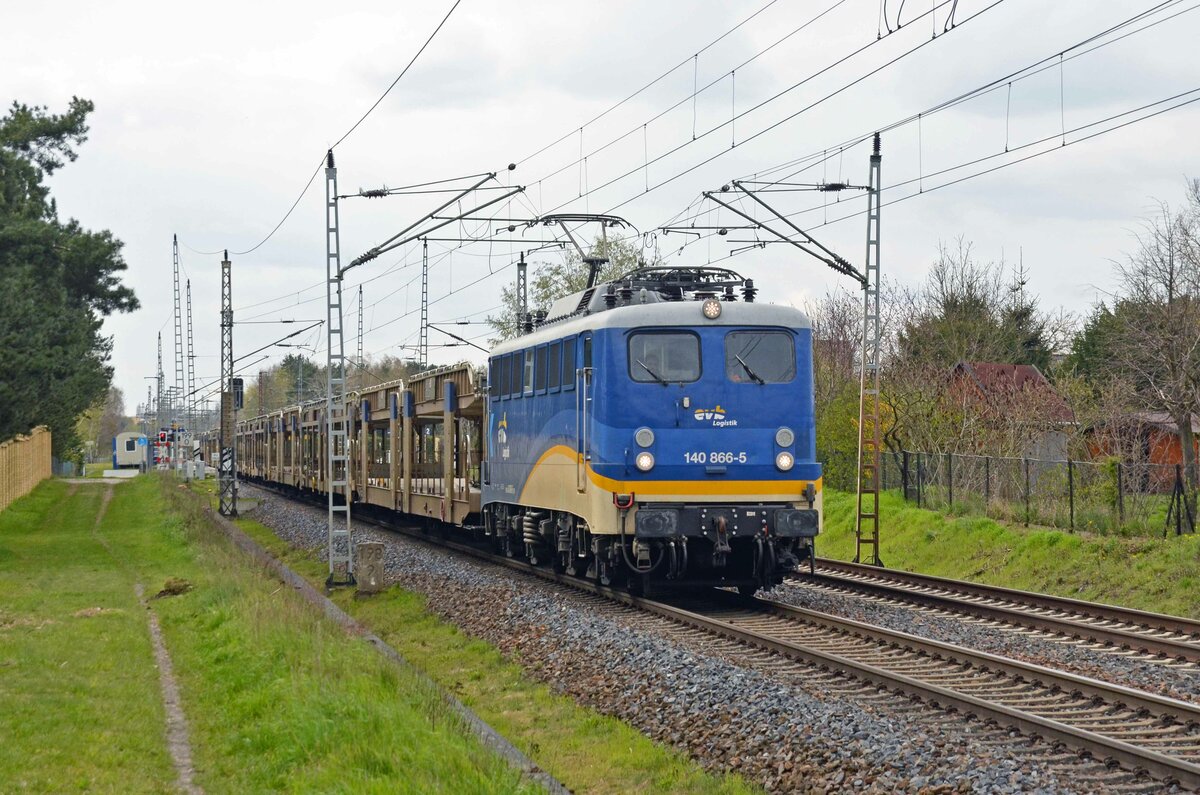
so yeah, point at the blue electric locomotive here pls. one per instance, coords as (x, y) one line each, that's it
(657, 429)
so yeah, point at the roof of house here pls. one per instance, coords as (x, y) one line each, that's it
(1162, 419)
(998, 383)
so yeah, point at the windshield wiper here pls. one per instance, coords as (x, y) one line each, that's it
(749, 372)
(655, 375)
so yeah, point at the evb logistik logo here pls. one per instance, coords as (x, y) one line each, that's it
(717, 416)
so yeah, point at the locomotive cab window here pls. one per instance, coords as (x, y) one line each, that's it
(665, 357)
(502, 375)
(760, 357)
(554, 362)
(568, 363)
(517, 367)
(539, 370)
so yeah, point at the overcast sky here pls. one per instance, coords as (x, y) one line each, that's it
(210, 119)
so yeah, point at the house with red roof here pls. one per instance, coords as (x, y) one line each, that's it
(1016, 400)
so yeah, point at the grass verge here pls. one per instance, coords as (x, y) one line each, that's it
(277, 698)
(80, 694)
(1158, 574)
(587, 751)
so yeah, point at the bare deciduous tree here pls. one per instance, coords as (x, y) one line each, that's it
(1159, 343)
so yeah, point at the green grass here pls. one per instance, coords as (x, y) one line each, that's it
(277, 698)
(1158, 574)
(80, 694)
(587, 751)
(96, 469)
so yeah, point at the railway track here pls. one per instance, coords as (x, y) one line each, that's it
(1139, 732)
(1135, 633)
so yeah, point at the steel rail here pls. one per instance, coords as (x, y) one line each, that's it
(1166, 767)
(1158, 634)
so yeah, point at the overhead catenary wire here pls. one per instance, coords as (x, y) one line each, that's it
(522, 197)
(1173, 102)
(1078, 49)
(891, 62)
(321, 161)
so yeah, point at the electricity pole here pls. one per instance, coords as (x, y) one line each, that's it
(522, 294)
(423, 343)
(359, 359)
(191, 382)
(176, 458)
(158, 402)
(337, 419)
(866, 527)
(226, 472)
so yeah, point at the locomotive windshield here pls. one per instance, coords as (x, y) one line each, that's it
(761, 357)
(665, 357)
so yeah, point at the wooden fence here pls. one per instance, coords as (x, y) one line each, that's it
(24, 463)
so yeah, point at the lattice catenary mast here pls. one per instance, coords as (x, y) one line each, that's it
(423, 342)
(337, 419)
(176, 458)
(226, 472)
(158, 386)
(191, 379)
(866, 527)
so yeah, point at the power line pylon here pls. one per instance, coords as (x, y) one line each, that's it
(176, 458)
(227, 466)
(337, 419)
(866, 528)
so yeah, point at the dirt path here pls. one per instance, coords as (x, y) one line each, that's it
(178, 744)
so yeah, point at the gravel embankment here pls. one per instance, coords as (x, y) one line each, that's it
(1176, 682)
(791, 733)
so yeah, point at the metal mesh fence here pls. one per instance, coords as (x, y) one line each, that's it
(1099, 496)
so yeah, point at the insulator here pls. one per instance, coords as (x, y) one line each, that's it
(749, 291)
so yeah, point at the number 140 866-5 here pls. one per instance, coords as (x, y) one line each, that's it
(715, 457)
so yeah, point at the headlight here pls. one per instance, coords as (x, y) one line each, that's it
(644, 461)
(711, 308)
(644, 437)
(784, 437)
(784, 461)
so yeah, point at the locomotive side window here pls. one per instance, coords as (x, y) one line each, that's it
(539, 369)
(664, 357)
(502, 375)
(762, 357)
(515, 368)
(528, 371)
(553, 365)
(568, 364)
(494, 379)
